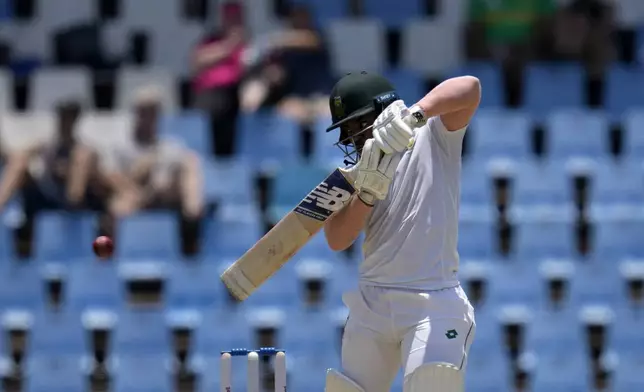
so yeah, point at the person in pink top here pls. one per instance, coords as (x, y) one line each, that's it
(217, 73)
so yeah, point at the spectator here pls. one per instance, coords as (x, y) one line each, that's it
(303, 55)
(151, 172)
(296, 71)
(218, 70)
(583, 32)
(511, 32)
(56, 174)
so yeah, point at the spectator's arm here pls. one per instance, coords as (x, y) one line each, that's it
(299, 39)
(143, 168)
(210, 54)
(79, 171)
(14, 174)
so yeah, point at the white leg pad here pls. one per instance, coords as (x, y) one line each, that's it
(435, 377)
(338, 382)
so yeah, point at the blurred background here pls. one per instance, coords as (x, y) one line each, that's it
(186, 128)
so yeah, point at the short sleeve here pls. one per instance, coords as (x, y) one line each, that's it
(450, 141)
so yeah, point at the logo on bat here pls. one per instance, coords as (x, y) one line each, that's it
(330, 199)
(326, 198)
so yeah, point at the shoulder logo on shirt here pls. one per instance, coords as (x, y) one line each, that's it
(327, 198)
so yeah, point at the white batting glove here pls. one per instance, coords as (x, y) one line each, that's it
(392, 130)
(374, 172)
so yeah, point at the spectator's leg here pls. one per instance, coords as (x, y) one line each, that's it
(82, 168)
(191, 187)
(222, 105)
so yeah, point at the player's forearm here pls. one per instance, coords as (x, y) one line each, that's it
(342, 229)
(451, 96)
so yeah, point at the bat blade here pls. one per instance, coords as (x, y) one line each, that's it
(288, 236)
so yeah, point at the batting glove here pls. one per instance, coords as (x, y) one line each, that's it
(393, 130)
(374, 172)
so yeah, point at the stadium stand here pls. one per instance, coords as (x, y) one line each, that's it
(554, 255)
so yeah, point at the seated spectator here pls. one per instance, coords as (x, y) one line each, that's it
(218, 69)
(583, 32)
(511, 32)
(151, 172)
(295, 72)
(56, 174)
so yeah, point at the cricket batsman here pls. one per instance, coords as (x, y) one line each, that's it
(409, 309)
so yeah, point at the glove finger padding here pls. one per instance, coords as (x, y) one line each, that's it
(403, 132)
(394, 138)
(381, 143)
(392, 165)
(371, 154)
(384, 163)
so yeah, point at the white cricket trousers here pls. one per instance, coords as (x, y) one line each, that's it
(390, 328)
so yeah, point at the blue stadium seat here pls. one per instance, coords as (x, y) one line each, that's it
(231, 234)
(190, 127)
(477, 239)
(477, 190)
(574, 133)
(553, 333)
(229, 182)
(311, 332)
(141, 332)
(282, 289)
(148, 235)
(291, 185)
(633, 136)
(544, 238)
(499, 133)
(268, 137)
(550, 87)
(55, 373)
(623, 90)
(569, 372)
(491, 79)
(616, 187)
(21, 286)
(325, 152)
(487, 371)
(190, 284)
(408, 84)
(222, 329)
(618, 239)
(58, 332)
(594, 282)
(552, 192)
(325, 11)
(625, 336)
(94, 284)
(514, 282)
(392, 12)
(7, 252)
(628, 375)
(143, 373)
(63, 236)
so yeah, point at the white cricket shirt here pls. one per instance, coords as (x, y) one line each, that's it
(411, 236)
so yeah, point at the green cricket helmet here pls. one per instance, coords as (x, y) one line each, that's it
(354, 96)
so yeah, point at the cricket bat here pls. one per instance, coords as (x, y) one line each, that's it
(290, 234)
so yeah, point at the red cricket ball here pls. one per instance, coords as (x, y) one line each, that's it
(103, 247)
